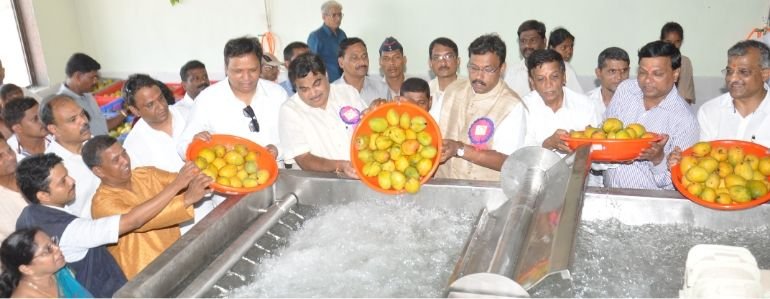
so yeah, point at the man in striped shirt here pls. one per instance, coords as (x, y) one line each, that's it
(653, 101)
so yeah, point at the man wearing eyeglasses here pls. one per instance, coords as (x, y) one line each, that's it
(325, 41)
(243, 105)
(743, 113)
(318, 121)
(613, 68)
(531, 37)
(444, 61)
(653, 101)
(483, 120)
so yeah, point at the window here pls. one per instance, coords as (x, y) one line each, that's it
(12, 52)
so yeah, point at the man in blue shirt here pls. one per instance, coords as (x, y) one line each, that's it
(326, 40)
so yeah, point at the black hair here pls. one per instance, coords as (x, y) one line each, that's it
(82, 63)
(242, 46)
(190, 65)
(540, 57)
(288, 51)
(742, 48)
(346, 43)
(305, 64)
(488, 43)
(8, 88)
(136, 82)
(559, 36)
(93, 149)
(17, 249)
(46, 111)
(446, 42)
(33, 174)
(13, 112)
(661, 49)
(167, 93)
(415, 85)
(532, 25)
(671, 27)
(612, 53)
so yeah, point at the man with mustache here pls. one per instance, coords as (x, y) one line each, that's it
(653, 101)
(483, 120)
(317, 123)
(553, 109)
(531, 37)
(124, 189)
(444, 60)
(195, 79)
(68, 123)
(354, 60)
(392, 65)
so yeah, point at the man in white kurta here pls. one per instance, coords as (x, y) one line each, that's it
(318, 121)
(517, 78)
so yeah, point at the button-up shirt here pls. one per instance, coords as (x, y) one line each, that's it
(150, 147)
(671, 116)
(719, 120)
(321, 132)
(326, 43)
(21, 152)
(185, 105)
(595, 95)
(373, 89)
(218, 111)
(86, 101)
(575, 113)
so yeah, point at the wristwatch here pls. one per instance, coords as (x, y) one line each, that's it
(461, 151)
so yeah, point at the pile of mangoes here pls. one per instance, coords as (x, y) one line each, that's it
(399, 151)
(725, 175)
(232, 166)
(612, 128)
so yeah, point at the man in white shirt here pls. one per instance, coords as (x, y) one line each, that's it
(82, 75)
(613, 68)
(553, 109)
(743, 112)
(317, 123)
(195, 79)
(444, 61)
(152, 141)
(482, 121)
(354, 61)
(68, 123)
(29, 134)
(531, 37)
(242, 105)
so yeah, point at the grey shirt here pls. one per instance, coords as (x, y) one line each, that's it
(97, 120)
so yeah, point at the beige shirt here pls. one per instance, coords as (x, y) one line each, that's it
(321, 132)
(11, 205)
(686, 85)
(463, 107)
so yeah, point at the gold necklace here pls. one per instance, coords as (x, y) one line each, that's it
(47, 294)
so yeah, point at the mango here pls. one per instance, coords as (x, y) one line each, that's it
(612, 125)
(262, 176)
(701, 149)
(405, 121)
(412, 185)
(378, 124)
(392, 117)
(418, 123)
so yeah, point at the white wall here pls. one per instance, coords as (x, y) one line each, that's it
(154, 37)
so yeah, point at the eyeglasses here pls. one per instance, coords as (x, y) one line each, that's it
(254, 124)
(49, 248)
(744, 73)
(445, 57)
(488, 70)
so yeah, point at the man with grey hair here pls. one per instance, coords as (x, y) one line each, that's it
(743, 112)
(325, 41)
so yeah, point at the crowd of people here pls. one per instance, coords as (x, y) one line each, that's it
(83, 213)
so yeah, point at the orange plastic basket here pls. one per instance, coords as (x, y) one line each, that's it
(265, 160)
(748, 148)
(381, 111)
(612, 150)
